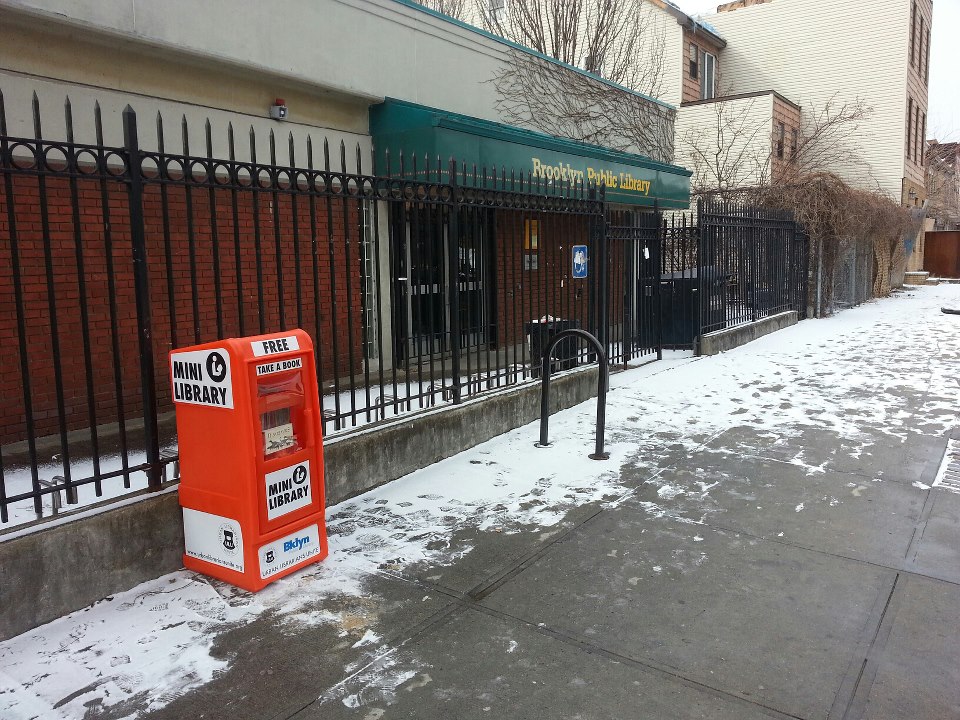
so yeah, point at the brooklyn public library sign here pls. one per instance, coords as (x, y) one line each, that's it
(425, 132)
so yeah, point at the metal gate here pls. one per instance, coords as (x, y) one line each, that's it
(633, 240)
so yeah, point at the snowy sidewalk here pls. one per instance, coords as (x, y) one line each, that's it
(763, 542)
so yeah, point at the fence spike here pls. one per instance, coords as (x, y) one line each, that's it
(208, 133)
(68, 118)
(359, 160)
(291, 149)
(98, 122)
(309, 151)
(37, 131)
(343, 157)
(253, 146)
(3, 115)
(231, 149)
(273, 147)
(185, 134)
(160, 144)
(326, 154)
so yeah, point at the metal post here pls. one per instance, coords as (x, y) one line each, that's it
(142, 290)
(603, 274)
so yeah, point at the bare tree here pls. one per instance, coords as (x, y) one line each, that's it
(620, 45)
(618, 40)
(731, 151)
(735, 150)
(454, 8)
(828, 140)
(942, 181)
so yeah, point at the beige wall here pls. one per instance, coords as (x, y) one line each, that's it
(812, 50)
(726, 143)
(228, 61)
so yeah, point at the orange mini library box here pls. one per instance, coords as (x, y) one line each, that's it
(251, 457)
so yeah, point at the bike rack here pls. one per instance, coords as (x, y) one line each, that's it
(603, 379)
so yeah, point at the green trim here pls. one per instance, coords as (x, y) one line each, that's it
(435, 136)
(529, 51)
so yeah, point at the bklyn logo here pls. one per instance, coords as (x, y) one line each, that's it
(296, 543)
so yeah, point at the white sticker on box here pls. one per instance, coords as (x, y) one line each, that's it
(213, 538)
(290, 550)
(280, 366)
(202, 377)
(274, 345)
(288, 489)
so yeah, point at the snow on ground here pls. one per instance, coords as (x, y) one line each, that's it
(153, 643)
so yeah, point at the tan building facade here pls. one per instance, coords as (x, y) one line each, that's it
(802, 48)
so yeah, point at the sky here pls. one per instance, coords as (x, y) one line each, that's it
(943, 116)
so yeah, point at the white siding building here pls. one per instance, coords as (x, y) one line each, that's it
(818, 51)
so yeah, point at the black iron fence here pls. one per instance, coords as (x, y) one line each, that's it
(728, 265)
(422, 285)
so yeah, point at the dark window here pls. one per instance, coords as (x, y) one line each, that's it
(794, 143)
(694, 61)
(923, 137)
(909, 128)
(926, 63)
(916, 130)
(920, 46)
(913, 33)
(781, 137)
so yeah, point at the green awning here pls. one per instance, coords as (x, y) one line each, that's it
(416, 130)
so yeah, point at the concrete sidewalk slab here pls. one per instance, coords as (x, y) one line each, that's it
(913, 671)
(478, 666)
(841, 514)
(873, 455)
(757, 619)
(277, 668)
(935, 550)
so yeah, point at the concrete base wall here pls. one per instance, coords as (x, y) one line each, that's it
(723, 340)
(56, 570)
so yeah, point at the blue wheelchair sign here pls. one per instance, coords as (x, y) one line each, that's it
(579, 261)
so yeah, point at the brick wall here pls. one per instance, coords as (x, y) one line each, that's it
(524, 295)
(101, 219)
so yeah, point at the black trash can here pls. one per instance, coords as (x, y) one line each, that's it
(680, 304)
(539, 335)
